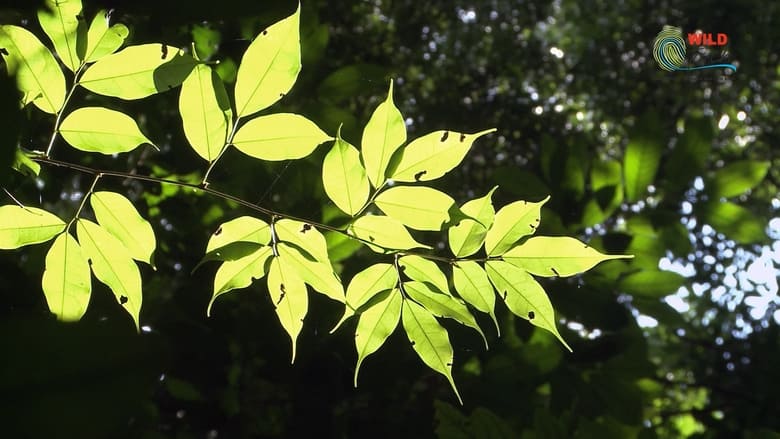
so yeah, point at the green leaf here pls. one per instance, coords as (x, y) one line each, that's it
(60, 22)
(384, 232)
(344, 178)
(523, 295)
(112, 265)
(98, 129)
(318, 275)
(384, 133)
(239, 273)
(66, 282)
(606, 181)
(642, 156)
(512, 222)
(37, 73)
(24, 165)
(651, 283)
(365, 285)
(136, 72)
(117, 214)
(241, 229)
(20, 226)
(103, 40)
(690, 153)
(738, 177)
(423, 270)
(303, 236)
(289, 296)
(340, 246)
(733, 220)
(269, 66)
(281, 136)
(472, 284)
(375, 325)
(556, 256)
(205, 111)
(430, 340)
(417, 207)
(467, 236)
(433, 155)
(442, 305)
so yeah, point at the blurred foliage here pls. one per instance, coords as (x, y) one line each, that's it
(678, 168)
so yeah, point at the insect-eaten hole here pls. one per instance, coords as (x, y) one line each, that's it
(419, 175)
(164, 49)
(122, 300)
(305, 228)
(218, 232)
(531, 315)
(462, 137)
(555, 272)
(445, 135)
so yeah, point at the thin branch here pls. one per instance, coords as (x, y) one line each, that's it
(57, 121)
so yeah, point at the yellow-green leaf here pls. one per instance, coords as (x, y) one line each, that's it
(376, 324)
(344, 178)
(117, 214)
(556, 256)
(241, 229)
(269, 66)
(66, 282)
(512, 222)
(304, 236)
(20, 226)
(38, 76)
(281, 136)
(467, 236)
(738, 177)
(423, 270)
(418, 207)
(112, 265)
(61, 23)
(384, 133)
(318, 275)
(430, 340)
(239, 273)
(205, 111)
(523, 295)
(103, 40)
(433, 155)
(365, 285)
(384, 232)
(289, 296)
(98, 129)
(24, 165)
(472, 284)
(442, 305)
(136, 72)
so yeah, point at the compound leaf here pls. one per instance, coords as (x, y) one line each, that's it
(289, 296)
(98, 129)
(239, 273)
(318, 275)
(442, 305)
(117, 214)
(304, 236)
(103, 40)
(423, 270)
(467, 236)
(365, 285)
(384, 232)
(66, 281)
(472, 284)
(281, 136)
(241, 229)
(376, 324)
(344, 177)
(205, 111)
(556, 256)
(384, 133)
(60, 22)
(417, 207)
(512, 222)
(20, 226)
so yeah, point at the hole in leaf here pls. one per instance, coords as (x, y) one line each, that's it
(305, 228)
(164, 49)
(122, 300)
(265, 32)
(505, 294)
(413, 342)
(3, 51)
(281, 95)
(532, 226)
(555, 271)
(370, 238)
(462, 137)
(445, 135)
(218, 232)
(449, 364)
(419, 175)
(531, 315)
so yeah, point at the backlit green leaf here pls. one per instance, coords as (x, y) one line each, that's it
(318, 275)
(523, 295)
(417, 207)
(269, 66)
(38, 76)
(103, 40)
(289, 296)
(733, 220)
(430, 340)
(304, 236)
(20, 226)
(472, 284)
(136, 72)
(117, 214)
(384, 232)
(738, 177)
(112, 265)
(651, 283)
(98, 129)
(433, 155)
(241, 229)
(281, 136)
(642, 156)
(66, 281)
(344, 178)
(384, 133)
(239, 273)
(205, 111)
(423, 270)
(556, 256)
(467, 236)
(365, 285)
(24, 165)
(375, 325)
(442, 305)
(60, 22)
(512, 222)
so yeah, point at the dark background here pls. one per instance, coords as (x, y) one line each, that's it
(707, 368)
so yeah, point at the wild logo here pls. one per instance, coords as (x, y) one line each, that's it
(669, 49)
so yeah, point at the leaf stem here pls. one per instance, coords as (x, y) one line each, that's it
(228, 142)
(84, 200)
(58, 120)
